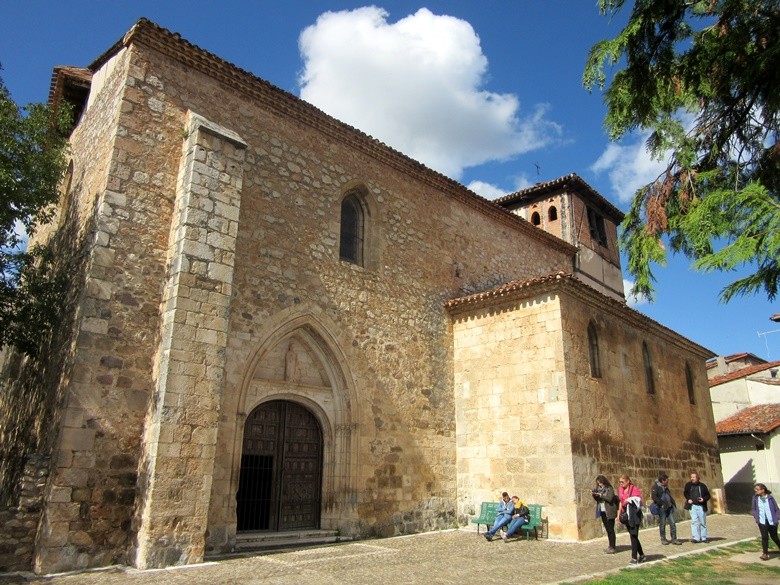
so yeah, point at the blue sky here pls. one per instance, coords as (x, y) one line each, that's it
(487, 92)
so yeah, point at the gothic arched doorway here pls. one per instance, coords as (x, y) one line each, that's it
(280, 482)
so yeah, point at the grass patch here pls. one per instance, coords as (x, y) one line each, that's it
(710, 568)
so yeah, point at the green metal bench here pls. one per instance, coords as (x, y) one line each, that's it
(487, 515)
(534, 521)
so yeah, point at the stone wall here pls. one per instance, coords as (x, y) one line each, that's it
(35, 390)
(213, 284)
(119, 488)
(124, 211)
(20, 521)
(617, 426)
(533, 421)
(511, 409)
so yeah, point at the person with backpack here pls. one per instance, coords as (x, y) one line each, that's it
(664, 507)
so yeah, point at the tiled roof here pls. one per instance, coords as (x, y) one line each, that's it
(570, 180)
(63, 73)
(564, 281)
(734, 357)
(743, 373)
(763, 418)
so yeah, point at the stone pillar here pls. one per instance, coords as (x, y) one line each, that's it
(718, 501)
(181, 427)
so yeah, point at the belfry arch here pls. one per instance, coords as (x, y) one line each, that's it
(300, 366)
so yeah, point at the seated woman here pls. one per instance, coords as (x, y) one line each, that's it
(520, 516)
(506, 509)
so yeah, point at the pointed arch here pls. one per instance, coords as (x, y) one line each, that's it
(360, 240)
(332, 400)
(353, 225)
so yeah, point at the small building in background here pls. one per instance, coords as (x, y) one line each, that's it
(749, 452)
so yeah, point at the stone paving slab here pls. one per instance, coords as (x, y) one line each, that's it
(456, 556)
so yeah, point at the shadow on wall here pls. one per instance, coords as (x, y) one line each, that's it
(739, 488)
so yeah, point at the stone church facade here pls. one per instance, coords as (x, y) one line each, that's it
(278, 323)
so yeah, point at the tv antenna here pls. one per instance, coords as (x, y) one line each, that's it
(765, 333)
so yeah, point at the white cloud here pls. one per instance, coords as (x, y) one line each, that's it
(629, 166)
(633, 300)
(487, 190)
(490, 191)
(417, 85)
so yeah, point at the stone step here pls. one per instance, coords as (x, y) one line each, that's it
(249, 542)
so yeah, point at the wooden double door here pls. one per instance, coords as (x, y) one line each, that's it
(280, 482)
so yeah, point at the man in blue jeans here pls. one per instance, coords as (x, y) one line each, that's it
(504, 515)
(696, 497)
(662, 498)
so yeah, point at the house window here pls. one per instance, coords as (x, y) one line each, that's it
(598, 229)
(535, 219)
(689, 383)
(352, 230)
(552, 213)
(648, 369)
(593, 351)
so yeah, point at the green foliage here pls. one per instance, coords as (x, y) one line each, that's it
(703, 78)
(33, 150)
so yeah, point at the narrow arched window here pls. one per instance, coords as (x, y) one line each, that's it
(649, 379)
(689, 383)
(552, 213)
(593, 351)
(535, 219)
(352, 230)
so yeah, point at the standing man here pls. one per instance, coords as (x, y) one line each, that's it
(504, 515)
(667, 507)
(696, 497)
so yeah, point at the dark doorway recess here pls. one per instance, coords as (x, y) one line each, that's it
(280, 482)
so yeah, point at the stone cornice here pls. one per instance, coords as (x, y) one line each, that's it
(566, 283)
(172, 45)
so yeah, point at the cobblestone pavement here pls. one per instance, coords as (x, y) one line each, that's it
(457, 556)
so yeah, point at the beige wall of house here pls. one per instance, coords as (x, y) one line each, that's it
(731, 397)
(747, 460)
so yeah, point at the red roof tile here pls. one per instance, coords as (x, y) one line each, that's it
(763, 418)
